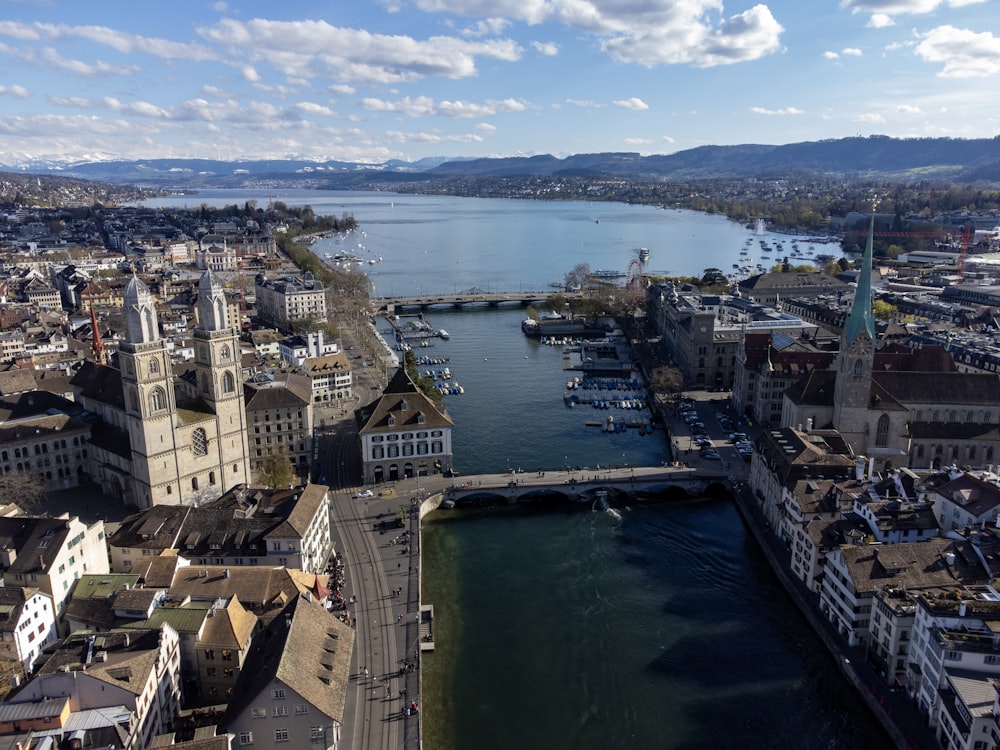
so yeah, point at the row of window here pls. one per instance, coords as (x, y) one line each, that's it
(407, 436)
(392, 451)
(281, 735)
(40, 449)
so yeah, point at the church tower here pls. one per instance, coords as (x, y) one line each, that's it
(148, 392)
(852, 394)
(217, 369)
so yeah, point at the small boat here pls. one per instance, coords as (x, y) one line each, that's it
(444, 334)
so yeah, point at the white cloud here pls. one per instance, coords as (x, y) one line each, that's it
(880, 21)
(487, 27)
(869, 117)
(312, 108)
(963, 53)
(638, 141)
(883, 10)
(652, 32)
(432, 138)
(908, 109)
(851, 52)
(830, 55)
(584, 103)
(667, 139)
(549, 49)
(424, 106)
(785, 111)
(123, 41)
(485, 127)
(634, 103)
(14, 90)
(342, 89)
(250, 74)
(311, 49)
(52, 59)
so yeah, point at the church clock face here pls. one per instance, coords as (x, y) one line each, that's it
(862, 347)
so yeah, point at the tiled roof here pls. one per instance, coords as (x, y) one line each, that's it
(306, 649)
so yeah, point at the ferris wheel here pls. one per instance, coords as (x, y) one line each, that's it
(635, 282)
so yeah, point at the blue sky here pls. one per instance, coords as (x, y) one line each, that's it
(370, 80)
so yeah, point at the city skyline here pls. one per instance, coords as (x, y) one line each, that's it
(412, 79)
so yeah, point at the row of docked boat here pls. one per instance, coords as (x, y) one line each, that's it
(604, 384)
(444, 374)
(422, 361)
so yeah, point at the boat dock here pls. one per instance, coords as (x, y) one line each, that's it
(410, 327)
(426, 627)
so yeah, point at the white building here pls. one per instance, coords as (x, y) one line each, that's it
(27, 624)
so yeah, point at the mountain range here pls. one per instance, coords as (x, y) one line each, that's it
(872, 157)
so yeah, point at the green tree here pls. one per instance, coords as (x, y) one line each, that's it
(276, 472)
(883, 310)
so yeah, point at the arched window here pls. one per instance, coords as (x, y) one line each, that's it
(882, 431)
(157, 400)
(953, 416)
(989, 453)
(199, 442)
(920, 451)
(228, 382)
(211, 477)
(970, 416)
(154, 365)
(194, 483)
(224, 353)
(858, 368)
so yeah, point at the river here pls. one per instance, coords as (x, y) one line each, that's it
(663, 628)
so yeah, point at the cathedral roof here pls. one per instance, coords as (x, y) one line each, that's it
(956, 388)
(101, 383)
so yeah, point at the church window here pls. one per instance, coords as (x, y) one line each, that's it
(937, 416)
(228, 382)
(988, 453)
(154, 366)
(170, 490)
(970, 416)
(953, 416)
(158, 400)
(882, 431)
(199, 442)
(211, 477)
(919, 416)
(858, 369)
(972, 453)
(224, 353)
(920, 451)
(954, 453)
(235, 469)
(194, 483)
(987, 417)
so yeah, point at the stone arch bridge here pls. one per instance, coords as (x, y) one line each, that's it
(615, 486)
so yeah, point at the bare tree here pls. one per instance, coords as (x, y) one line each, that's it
(27, 490)
(276, 472)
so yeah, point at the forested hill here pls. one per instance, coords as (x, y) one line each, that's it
(869, 158)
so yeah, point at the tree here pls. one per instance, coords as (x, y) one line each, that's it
(883, 310)
(666, 379)
(26, 490)
(579, 277)
(276, 471)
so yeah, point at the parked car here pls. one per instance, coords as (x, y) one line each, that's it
(363, 494)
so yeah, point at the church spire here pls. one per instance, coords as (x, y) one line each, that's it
(96, 346)
(860, 319)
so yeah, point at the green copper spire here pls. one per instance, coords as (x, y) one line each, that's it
(860, 319)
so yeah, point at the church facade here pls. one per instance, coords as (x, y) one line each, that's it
(153, 447)
(899, 406)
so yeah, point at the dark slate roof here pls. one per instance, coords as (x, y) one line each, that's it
(815, 388)
(940, 387)
(782, 281)
(954, 431)
(37, 541)
(272, 396)
(793, 455)
(101, 383)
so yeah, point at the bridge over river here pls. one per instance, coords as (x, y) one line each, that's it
(469, 299)
(616, 485)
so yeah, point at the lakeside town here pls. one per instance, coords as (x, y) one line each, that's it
(177, 367)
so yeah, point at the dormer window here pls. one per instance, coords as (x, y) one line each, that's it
(420, 419)
(402, 406)
(391, 421)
